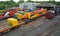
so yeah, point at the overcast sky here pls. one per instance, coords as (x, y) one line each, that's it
(26, 0)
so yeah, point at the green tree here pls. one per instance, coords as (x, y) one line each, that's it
(20, 1)
(7, 4)
(29, 0)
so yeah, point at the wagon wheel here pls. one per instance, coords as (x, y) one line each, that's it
(33, 19)
(26, 20)
(0, 34)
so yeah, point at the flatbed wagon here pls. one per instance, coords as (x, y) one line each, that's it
(5, 27)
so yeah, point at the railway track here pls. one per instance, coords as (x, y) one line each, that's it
(49, 31)
(40, 26)
(49, 28)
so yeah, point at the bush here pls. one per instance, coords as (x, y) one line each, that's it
(1, 11)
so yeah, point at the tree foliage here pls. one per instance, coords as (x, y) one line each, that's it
(7, 4)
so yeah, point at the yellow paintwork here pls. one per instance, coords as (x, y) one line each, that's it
(18, 15)
(13, 22)
(26, 15)
(31, 17)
